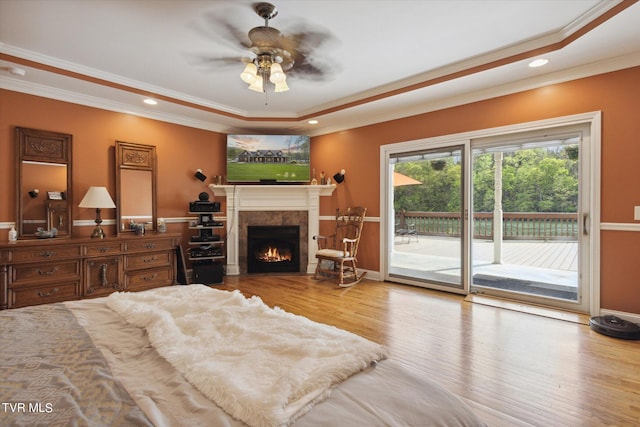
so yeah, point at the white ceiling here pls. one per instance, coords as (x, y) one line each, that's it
(377, 49)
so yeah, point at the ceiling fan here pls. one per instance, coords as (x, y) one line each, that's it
(273, 53)
(273, 56)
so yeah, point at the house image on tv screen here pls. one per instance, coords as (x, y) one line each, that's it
(263, 156)
(281, 158)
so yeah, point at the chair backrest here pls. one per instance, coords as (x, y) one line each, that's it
(349, 224)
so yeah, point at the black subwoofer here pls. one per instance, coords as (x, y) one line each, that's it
(207, 274)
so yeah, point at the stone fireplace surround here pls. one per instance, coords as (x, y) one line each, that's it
(271, 205)
(248, 218)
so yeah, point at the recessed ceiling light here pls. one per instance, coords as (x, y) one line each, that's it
(538, 62)
(313, 122)
(150, 101)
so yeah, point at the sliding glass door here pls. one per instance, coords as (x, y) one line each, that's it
(530, 195)
(508, 212)
(427, 205)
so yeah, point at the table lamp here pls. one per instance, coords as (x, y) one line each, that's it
(98, 198)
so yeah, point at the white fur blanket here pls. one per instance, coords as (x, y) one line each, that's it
(263, 366)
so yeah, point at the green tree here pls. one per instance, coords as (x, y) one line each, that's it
(533, 180)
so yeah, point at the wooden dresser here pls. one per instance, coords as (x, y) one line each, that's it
(52, 270)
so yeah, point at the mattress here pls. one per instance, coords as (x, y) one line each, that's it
(80, 362)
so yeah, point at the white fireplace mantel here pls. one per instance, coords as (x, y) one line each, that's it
(270, 198)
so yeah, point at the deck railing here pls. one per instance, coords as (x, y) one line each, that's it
(515, 225)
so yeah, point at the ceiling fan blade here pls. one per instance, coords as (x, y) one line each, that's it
(231, 35)
(295, 48)
(306, 41)
(316, 72)
(208, 61)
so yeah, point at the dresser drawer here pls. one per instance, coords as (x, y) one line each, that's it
(44, 272)
(148, 260)
(55, 292)
(45, 253)
(103, 249)
(148, 279)
(102, 276)
(145, 245)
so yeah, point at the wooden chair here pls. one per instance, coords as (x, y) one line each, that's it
(337, 253)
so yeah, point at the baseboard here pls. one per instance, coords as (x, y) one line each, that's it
(629, 317)
(371, 275)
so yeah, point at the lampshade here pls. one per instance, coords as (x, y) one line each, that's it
(257, 84)
(262, 68)
(250, 73)
(281, 86)
(277, 75)
(97, 197)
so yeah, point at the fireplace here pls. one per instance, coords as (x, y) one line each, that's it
(273, 248)
(271, 205)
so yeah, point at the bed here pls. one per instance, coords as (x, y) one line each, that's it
(88, 363)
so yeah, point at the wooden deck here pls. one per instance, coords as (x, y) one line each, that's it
(558, 255)
(554, 262)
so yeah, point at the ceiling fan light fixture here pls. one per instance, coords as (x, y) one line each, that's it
(257, 86)
(277, 75)
(281, 87)
(250, 73)
(273, 54)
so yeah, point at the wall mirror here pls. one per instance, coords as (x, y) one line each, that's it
(43, 185)
(136, 187)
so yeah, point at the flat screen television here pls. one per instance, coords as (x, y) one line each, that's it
(268, 158)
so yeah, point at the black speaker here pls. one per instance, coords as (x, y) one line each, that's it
(207, 274)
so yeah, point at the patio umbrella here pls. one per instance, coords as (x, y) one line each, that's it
(401, 179)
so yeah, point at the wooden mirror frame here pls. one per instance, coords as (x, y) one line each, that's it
(134, 157)
(41, 146)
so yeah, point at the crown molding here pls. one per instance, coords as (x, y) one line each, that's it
(610, 65)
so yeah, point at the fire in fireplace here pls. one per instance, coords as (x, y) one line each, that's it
(273, 255)
(272, 248)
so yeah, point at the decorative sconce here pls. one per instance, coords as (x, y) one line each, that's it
(200, 175)
(34, 193)
(339, 177)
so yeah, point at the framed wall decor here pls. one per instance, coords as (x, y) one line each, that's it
(55, 195)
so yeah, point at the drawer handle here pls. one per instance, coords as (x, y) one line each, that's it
(47, 254)
(150, 245)
(152, 277)
(103, 275)
(152, 259)
(47, 273)
(48, 294)
(103, 250)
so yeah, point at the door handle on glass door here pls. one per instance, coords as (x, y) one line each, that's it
(585, 224)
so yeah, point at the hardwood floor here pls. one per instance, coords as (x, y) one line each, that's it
(512, 368)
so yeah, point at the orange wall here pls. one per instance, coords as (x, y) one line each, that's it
(615, 94)
(181, 150)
